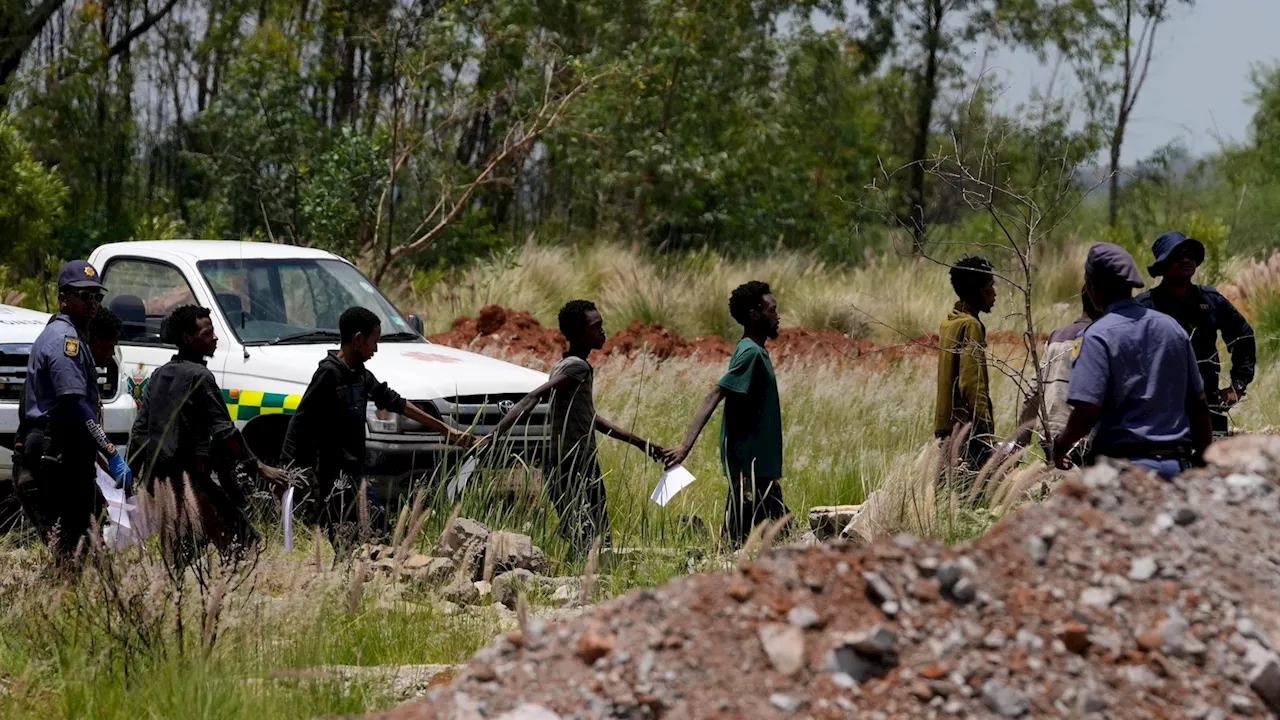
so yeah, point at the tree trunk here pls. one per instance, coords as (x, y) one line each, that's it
(926, 94)
(1113, 197)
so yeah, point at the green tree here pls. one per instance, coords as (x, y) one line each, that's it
(31, 202)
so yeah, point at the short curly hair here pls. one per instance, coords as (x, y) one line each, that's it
(747, 297)
(573, 318)
(105, 324)
(356, 320)
(970, 275)
(182, 321)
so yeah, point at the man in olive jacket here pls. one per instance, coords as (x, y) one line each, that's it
(964, 388)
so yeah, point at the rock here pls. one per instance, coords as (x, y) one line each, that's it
(507, 586)
(511, 551)
(417, 561)
(1004, 701)
(1257, 454)
(1075, 636)
(1037, 548)
(1143, 569)
(994, 640)
(964, 591)
(1240, 705)
(484, 589)
(529, 711)
(868, 523)
(1092, 703)
(462, 591)
(878, 589)
(1101, 476)
(827, 521)
(927, 589)
(877, 643)
(1185, 516)
(784, 645)
(785, 703)
(1098, 597)
(438, 571)
(803, 617)
(1264, 680)
(593, 644)
(948, 575)
(1249, 630)
(460, 533)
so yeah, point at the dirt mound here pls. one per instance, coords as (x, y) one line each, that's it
(1121, 597)
(516, 333)
(503, 331)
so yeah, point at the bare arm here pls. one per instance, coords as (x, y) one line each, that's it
(677, 455)
(416, 414)
(529, 402)
(1083, 417)
(613, 431)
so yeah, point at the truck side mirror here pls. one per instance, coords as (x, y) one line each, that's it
(415, 322)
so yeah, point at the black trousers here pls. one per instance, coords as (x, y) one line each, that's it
(576, 488)
(61, 499)
(220, 506)
(751, 501)
(333, 503)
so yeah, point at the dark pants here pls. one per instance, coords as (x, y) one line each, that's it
(333, 503)
(751, 501)
(61, 500)
(219, 506)
(1219, 422)
(577, 491)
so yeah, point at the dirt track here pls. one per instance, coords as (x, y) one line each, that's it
(1119, 597)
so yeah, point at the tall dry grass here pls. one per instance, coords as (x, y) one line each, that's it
(885, 298)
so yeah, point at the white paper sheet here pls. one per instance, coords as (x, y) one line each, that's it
(672, 482)
(455, 486)
(122, 528)
(286, 510)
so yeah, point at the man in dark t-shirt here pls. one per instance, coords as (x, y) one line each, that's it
(574, 480)
(751, 434)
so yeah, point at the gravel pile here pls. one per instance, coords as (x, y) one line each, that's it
(1119, 597)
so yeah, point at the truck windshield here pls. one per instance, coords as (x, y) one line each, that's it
(295, 301)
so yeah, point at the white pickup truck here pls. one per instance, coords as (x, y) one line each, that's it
(275, 310)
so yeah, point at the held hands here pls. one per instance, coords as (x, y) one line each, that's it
(1062, 461)
(120, 471)
(675, 456)
(655, 452)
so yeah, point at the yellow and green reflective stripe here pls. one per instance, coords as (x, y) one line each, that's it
(246, 404)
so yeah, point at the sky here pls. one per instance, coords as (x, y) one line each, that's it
(1199, 86)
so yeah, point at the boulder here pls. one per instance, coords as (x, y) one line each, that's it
(510, 551)
(417, 561)
(462, 591)
(438, 571)
(507, 586)
(828, 520)
(458, 535)
(868, 522)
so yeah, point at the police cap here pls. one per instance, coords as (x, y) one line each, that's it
(79, 274)
(1110, 263)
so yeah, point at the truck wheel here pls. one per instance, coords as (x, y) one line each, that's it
(265, 436)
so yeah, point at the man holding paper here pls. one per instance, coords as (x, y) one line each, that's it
(751, 435)
(574, 480)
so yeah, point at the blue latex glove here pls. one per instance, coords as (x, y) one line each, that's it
(120, 471)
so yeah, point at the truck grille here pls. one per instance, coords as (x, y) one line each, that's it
(478, 414)
(13, 374)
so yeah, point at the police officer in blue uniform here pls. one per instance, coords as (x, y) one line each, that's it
(60, 432)
(1204, 313)
(1135, 377)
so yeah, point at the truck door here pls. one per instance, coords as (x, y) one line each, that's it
(142, 292)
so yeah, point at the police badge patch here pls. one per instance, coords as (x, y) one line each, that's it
(71, 346)
(1075, 348)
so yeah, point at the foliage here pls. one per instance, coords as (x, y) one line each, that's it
(32, 197)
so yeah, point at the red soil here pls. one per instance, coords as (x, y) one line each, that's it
(516, 333)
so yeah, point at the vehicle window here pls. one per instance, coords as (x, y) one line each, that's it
(269, 300)
(142, 293)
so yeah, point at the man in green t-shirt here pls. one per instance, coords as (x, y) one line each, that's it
(751, 436)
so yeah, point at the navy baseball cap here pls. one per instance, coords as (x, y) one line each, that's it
(1110, 261)
(79, 274)
(1166, 244)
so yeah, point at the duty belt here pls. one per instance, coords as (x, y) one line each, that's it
(1147, 450)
